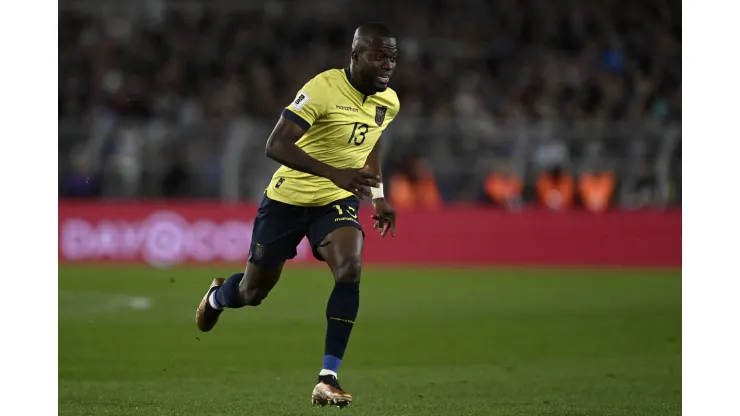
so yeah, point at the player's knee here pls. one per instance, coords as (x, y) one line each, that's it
(348, 271)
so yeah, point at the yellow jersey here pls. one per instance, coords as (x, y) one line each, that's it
(341, 127)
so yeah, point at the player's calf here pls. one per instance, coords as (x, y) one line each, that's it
(248, 289)
(252, 296)
(341, 312)
(221, 294)
(228, 295)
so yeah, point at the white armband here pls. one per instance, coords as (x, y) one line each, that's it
(377, 192)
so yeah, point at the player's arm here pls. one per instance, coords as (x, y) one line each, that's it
(385, 215)
(281, 147)
(373, 164)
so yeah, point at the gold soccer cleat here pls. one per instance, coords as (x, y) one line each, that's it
(328, 392)
(205, 316)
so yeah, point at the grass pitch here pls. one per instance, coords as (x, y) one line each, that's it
(427, 342)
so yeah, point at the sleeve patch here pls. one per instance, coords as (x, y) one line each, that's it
(300, 100)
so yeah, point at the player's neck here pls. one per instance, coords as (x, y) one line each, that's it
(356, 84)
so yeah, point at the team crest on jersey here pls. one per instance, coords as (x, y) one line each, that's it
(380, 115)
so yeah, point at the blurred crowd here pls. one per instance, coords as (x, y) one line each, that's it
(156, 96)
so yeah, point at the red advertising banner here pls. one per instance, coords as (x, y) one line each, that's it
(173, 233)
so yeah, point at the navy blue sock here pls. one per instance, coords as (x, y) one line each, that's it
(227, 296)
(341, 312)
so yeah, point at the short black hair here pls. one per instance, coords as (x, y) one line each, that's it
(369, 32)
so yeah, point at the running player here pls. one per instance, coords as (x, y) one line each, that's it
(328, 142)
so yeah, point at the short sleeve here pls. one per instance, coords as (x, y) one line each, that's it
(398, 109)
(309, 103)
(395, 107)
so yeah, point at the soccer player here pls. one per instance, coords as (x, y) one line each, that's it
(328, 142)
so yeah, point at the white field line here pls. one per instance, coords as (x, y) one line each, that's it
(71, 302)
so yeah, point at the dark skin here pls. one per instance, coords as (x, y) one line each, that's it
(373, 56)
(374, 53)
(385, 215)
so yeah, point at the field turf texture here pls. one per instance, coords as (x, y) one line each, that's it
(427, 342)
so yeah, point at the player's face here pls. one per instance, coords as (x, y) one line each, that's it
(377, 64)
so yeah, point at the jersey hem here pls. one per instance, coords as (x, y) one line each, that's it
(317, 203)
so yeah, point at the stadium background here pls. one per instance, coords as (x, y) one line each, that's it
(535, 137)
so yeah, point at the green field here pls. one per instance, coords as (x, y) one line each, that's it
(427, 342)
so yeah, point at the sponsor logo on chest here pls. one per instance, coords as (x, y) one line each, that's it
(347, 108)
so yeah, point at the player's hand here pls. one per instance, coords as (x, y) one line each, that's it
(357, 181)
(385, 217)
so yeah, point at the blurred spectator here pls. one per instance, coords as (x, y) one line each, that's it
(555, 189)
(474, 76)
(504, 188)
(596, 188)
(81, 180)
(550, 154)
(177, 178)
(644, 192)
(414, 187)
(220, 57)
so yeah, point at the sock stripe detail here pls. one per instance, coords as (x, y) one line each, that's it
(213, 301)
(327, 372)
(331, 363)
(342, 320)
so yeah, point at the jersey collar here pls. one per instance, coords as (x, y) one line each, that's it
(355, 86)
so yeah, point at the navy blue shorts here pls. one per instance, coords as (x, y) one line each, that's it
(280, 227)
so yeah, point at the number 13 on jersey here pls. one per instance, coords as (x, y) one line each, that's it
(358, 134)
